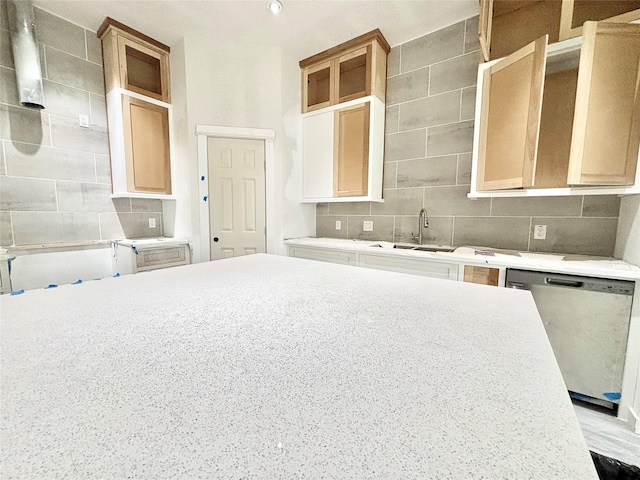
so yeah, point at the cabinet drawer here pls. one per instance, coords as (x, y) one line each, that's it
(331, 256)
(161, 257)
(414, 266)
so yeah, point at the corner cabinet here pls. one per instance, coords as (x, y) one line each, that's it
(343, 111)
(506, 25)
(138, 94)
(561, 120)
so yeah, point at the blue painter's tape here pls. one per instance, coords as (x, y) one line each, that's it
(116, 275)
(612, 395)
(52, 285)
(202, 178)
(204, 198)
(77, 282)
(17, 292)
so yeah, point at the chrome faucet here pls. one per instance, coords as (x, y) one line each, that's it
(423, 222)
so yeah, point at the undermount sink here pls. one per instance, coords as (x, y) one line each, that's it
(434, 248)
(420, 248)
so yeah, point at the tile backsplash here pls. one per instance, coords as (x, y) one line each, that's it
(431, 90)
(55, 179)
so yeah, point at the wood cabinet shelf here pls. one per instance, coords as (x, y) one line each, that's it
(343, 93)
(136, 69)
(562, 120)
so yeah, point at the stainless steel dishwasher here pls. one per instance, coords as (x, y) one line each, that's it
(587, 322)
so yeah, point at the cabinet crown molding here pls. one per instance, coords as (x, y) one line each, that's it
(110, 23)
(349, 45)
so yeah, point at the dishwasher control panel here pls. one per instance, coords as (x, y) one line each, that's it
(523, 279)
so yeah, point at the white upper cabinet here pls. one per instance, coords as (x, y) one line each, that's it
(561, 120)
(138, 96)
(343, 110)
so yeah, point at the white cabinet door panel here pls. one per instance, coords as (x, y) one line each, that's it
(318, 155)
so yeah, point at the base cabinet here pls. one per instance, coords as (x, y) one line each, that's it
(482, 275)
(330, 256)
(132, 256)
(415, 266)
(409, 265)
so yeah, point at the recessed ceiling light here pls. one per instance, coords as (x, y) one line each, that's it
(274, 6)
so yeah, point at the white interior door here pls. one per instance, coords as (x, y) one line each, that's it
(236, 197)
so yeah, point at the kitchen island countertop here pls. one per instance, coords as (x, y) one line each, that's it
(276, 367)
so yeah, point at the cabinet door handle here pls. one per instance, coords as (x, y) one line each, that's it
(215, 239)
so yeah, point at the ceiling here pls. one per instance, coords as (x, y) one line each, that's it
(304, 27)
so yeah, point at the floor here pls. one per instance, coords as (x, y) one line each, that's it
(607, 436)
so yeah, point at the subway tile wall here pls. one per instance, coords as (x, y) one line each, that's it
(431, 90)
(55, 179)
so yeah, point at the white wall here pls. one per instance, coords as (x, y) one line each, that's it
(628, 236)
(239, 86)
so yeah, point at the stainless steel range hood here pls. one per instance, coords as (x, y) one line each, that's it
(26, 56)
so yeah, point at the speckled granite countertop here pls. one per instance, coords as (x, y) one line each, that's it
(275, 367)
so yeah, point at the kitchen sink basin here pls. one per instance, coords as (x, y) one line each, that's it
(419, 248)
(416, 248)
(434, 248)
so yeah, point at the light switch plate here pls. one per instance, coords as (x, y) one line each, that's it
(539, 232)
(367, 226)
(338, 225)
(152, 222)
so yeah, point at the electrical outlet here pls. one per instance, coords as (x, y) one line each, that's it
(539, 232)
(338, 225)
(83, 120)
(152, 222)
(367, 226)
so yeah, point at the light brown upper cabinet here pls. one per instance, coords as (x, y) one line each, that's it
(562, 122)
(509, 126)
(351, 70)
(138, 94)
(343, 94)
(134, 61)
(146, 126)
(351, 159)
(508, 25)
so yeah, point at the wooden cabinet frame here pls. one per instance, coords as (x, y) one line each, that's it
(604, 131)
(514, 154)
(343, 134)
(375, 48)
(163, 61)
(305, 86)
(138, 92)
(604, 144)
(116, 37)
(146, 146)
(351, 151)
